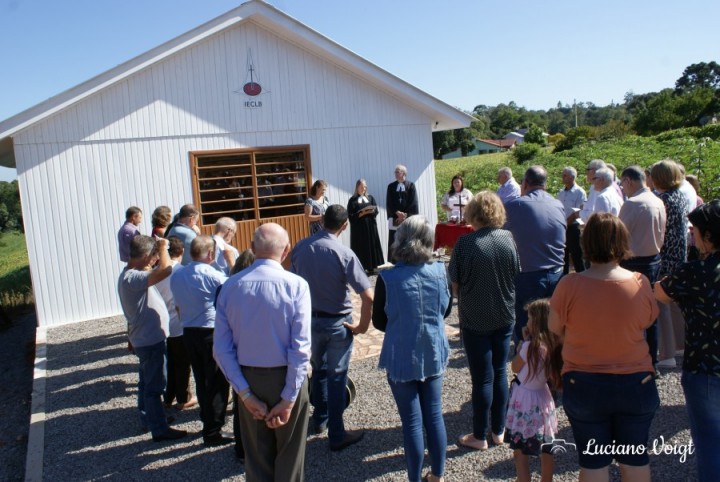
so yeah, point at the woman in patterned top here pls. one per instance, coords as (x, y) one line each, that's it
(315, 206)
(695, 286)
(482, 270)
(667, 178)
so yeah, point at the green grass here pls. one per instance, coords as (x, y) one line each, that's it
(15, 286)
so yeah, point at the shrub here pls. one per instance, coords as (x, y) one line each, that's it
(525, 152)
(554, 139)
(575, 137)
(534, 135)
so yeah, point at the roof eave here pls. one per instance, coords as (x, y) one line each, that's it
(444, 117)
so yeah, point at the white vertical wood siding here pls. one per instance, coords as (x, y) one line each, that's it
(128, 145)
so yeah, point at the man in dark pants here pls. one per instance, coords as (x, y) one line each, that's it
(644, 216)
(193, 288)
(572, 198)
(329, 267)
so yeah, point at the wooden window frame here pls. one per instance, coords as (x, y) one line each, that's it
(259, 213)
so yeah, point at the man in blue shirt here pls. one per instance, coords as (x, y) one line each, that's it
(537, 223)
(194, 288)
(262, 345)
(329, 267)
(185, 229)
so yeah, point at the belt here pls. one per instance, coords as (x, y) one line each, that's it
(263, 369)
(323, 314)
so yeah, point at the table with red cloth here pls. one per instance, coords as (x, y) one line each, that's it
(447, 234)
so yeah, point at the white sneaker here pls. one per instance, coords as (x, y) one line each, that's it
(669, 363)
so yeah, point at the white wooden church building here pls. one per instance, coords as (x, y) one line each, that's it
(238, 116)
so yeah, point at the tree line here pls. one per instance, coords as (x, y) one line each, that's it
(10, 211)
(694, 101)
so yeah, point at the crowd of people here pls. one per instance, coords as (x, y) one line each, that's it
(568, 284)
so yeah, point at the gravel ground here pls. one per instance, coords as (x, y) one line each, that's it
(93, 432)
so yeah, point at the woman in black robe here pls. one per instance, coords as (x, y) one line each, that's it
(364, 238)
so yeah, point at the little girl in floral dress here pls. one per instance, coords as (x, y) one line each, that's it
(531, 420)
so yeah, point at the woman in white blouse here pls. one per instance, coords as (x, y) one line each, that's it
(456, 196)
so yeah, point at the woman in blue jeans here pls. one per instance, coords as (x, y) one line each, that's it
(411, 301)
(695, 286)
(483, 268)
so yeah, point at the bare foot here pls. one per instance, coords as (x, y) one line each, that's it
(469, 441)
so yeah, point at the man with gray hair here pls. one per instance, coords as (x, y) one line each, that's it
(401, 202)
(147, 318)
(509, 188)
(572, 198)
(194, 288)
(537, 222)
(644, 216)
(330, 268)
(225, 253)
(262, 345)
(606, 199)
(586, 211)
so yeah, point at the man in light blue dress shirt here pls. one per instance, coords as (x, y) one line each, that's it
(509, 188)
(262, 345)
(194, 288)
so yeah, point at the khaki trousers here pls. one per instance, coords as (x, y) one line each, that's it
(274, 455)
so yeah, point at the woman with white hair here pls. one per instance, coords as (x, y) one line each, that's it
(411, 301)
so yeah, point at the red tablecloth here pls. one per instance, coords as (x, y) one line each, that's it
(446, 234)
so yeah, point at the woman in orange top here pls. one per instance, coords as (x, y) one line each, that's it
(609, 391)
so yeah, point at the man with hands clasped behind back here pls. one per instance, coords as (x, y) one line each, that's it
(262, 345)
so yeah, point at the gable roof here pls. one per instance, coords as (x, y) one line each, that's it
(501, 143)
(445, 116)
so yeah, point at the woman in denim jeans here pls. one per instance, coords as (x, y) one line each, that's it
(695, 286)
(483, 268)
(609, 391)
(411, 302)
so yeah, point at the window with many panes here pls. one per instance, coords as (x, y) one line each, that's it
(250, 184)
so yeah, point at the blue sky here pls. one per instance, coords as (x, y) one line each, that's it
(465, 52)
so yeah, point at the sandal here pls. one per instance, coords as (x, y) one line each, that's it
(469, 441)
